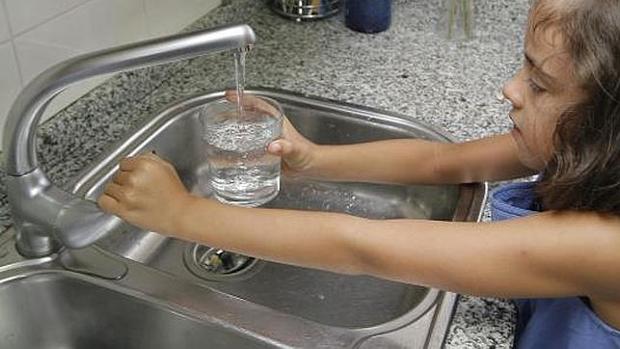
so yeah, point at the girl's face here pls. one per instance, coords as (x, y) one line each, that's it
(539, 92)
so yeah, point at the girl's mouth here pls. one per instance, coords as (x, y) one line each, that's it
(514, 124)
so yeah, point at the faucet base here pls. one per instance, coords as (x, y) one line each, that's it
(30, 243)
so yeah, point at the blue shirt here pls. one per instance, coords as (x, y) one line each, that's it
(550, 323)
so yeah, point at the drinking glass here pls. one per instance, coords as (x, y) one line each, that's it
(241, 171)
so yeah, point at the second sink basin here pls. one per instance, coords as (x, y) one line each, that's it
(52, 310)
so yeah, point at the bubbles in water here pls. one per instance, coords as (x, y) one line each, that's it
(240, 135)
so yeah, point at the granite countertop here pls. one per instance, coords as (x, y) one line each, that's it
(408, 69)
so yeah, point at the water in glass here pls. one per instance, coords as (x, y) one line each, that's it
(240, 169)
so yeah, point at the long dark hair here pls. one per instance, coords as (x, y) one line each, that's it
(584, 171)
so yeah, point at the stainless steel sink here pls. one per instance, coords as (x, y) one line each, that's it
(170, 297)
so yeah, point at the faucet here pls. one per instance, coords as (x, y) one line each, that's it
(47, 217)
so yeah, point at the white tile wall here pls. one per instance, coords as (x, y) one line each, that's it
(79, 31)
(26, 14)
(5, 34)
(35, 34)
(191, 10)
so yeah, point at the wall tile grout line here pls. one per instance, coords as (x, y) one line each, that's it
(48, 19)
(18, 63)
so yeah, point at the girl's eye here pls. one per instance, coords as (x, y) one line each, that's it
(534, 86)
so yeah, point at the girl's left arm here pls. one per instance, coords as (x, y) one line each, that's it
(549, 254)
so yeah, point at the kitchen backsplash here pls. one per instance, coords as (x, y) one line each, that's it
(35, 34)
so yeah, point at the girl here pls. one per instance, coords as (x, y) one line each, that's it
(559, 254)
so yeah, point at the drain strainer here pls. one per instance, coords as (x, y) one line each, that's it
(215, 264)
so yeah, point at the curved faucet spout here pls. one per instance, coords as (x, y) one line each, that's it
(42, 212)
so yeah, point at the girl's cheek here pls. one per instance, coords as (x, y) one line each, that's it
(545, 139)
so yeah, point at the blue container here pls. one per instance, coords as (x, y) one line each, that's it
(368, 16)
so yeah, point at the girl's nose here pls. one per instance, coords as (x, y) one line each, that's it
(512, 93)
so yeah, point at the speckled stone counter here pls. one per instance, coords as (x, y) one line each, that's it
(408, 69)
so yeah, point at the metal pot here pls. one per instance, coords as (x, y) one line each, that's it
(305, 9)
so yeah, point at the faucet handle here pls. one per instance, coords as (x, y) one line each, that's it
(74, 232)
(47, 217)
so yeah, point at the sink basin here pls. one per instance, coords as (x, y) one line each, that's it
(54, 310)
(316, 308)
(327, 298)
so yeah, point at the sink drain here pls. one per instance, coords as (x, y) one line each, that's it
(215, 264)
